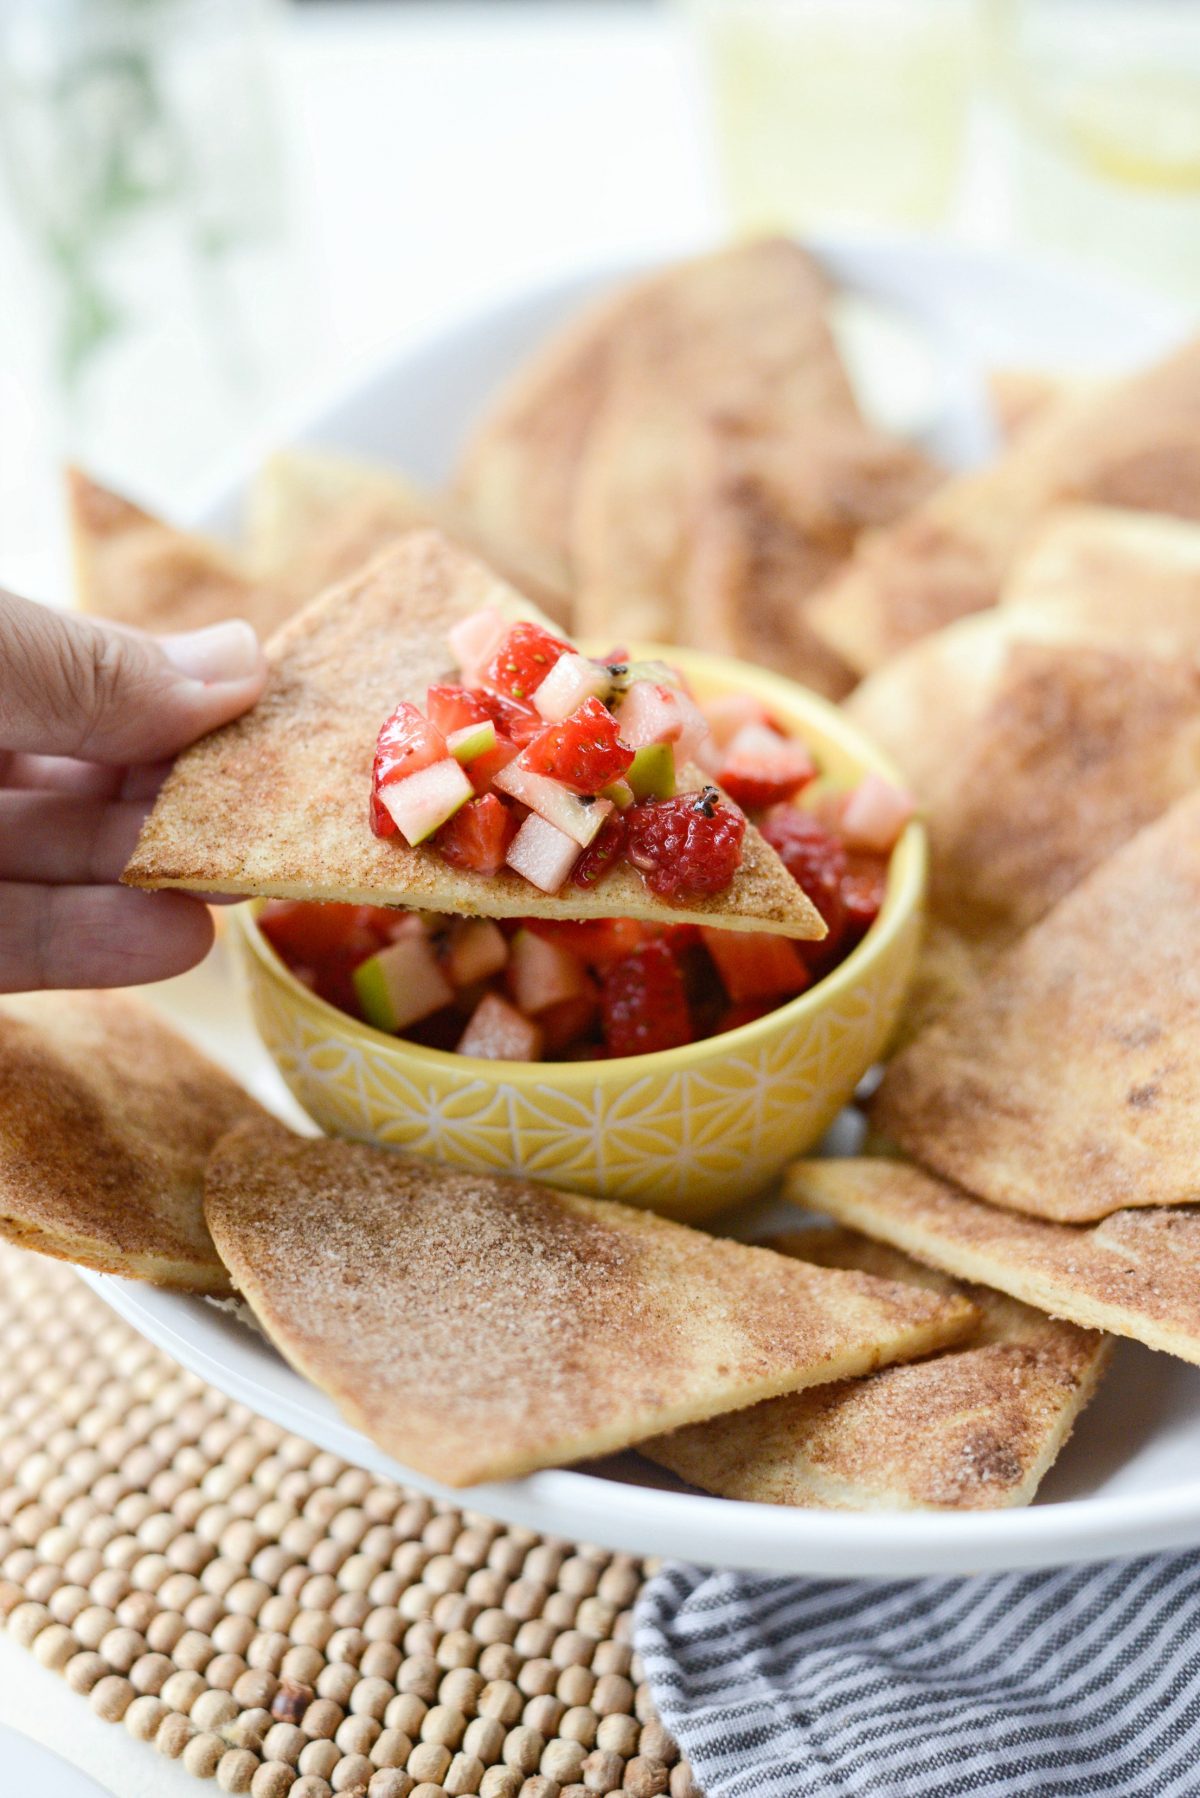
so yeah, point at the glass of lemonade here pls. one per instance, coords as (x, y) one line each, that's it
(837, 111)
(1104, 96)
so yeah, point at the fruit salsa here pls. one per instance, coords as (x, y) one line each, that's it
(554, 765)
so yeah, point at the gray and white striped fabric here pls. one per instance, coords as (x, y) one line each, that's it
(1059, 1684)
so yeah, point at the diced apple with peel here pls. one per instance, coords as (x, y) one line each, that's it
(575, 817)
(472, 741)
(573, 680)
(541, 973)
(422, 803)
(651, 774)
(401, 984)
(499, 1032)
(875, 815)
(728, 712)
(475, 639)
(476, 948)
(652, 713)
(542, 853)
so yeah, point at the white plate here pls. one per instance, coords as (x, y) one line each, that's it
(1130, 1480)
(27, 1770)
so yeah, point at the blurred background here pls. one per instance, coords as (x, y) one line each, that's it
(212, 210)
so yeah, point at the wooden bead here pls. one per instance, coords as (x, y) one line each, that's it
(445, 1724)
(303, 1664)
(267, 1651)
(429, 1761)
(309, 1786)
(380, 1661)
(575, 1684)
(249, 1729)
(611, 1657)
(358, 1735)
(602, 1772)
(645, 1778)
(643, 1704)
(174, 1733)
(391, 1782)
(337, 1681)
(346, 1645)
(419, 1674)
(322, 1718)
(499, 1661)
(236, 1770)
(318, 1759)
(656, 1743)
(579, 1724)
(292, 1698)
(501, 1699)
(392, 1748)
(539, 1787)
(544, 1714)
(563, 1760)
(484, 1738)
(213, 1709)
(352, 1773)
(523, 1748)
(150, 1673)
(500, 1782)
(613, 1694)
(618, 1734)
(54, 1646)
(461, 1688)
(463, 1775)
(202, 1755)
(255, 1688)
(273, 1780)
(144, 1716)
(371, 1697)
(683, 1782)
(284, 1742)
(406, 1711)
(536, 1638)
(182, 1689)
(429, 1788)
(121, 1648)
(83, 1671)
(111, 1697)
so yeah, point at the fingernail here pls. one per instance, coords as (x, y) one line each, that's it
(228, 651)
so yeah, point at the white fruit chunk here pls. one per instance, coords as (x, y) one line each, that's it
(875, 815)
(422, 803)
(572, 680)
(401, 984)
(577, 818)
(475, 949)
(472, 740)
(728, 712)
(542, 853)
(542, 974)
(651, 713)
(499, 1032)
(476, 638)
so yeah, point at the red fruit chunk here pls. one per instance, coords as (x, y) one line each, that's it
(523, 661)
(309, 933)
(814, 858)
(406, 744)
(601, 854)
(597, 941)
(754, 964)
(478, 835)
(583, 752)
(761, 768)
(452, 707)
(863, 887)
(644, 1005)
(748, 1012)
(689, 844)
(567, 1023)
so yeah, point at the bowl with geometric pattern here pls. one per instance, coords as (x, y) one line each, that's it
(684, 1131)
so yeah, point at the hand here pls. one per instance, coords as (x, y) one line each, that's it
(90, 715)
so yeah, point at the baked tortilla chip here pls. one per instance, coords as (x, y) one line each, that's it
(134, 569)
(276, 803)
(973, 1428)
(316, 518)
(106, 1120)
(741, 340)
(1133, 444)
(1131, 579)
(1135, 1274)
(477, 1328)
(1068, 1085)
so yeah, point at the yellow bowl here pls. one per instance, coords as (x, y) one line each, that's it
(685, 1131)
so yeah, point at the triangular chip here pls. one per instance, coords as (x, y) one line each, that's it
(740, 339)
(1131, 579)
(316, 518)
(134, 569)
(1068, 1085)
(277, 802)
(1133, 444)
(476, 1327)
(106, 1120)
(975, 1427)
(1136, 1274)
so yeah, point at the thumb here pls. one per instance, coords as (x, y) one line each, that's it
(72, 686)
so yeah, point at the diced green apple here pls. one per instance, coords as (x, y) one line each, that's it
(472, 740)
(543, 854)
(542, 973)
(620, 793)
(576, 817)
(572, 681)
(475, 949)
(422, 803)
(401, 984)
(651, 773)
(623, 675)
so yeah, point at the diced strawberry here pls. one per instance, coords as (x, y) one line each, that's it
(762, 768)
(754, 964)
(597, 941)
(407, 744)
(728, 712)
(583, 752)
(478, 835)
(541, 973)
(875, 815)
(566, 1023)
(815, 859)
(499, 1032)
(644, 1003)
(686, 845)
(601, 856)
(309, 933)
(863, 888)
(680, 937)
(524, 659)
(653, 713)
(452, 707)
(519, 723)
(748, 1012)
(483, 769)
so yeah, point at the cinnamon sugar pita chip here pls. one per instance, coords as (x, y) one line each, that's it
(135, 569)
(106, 1120)
(477, 1328)
(1134, 444)
(276, 803)
(1136, 1273)
(973, 1427)
(1068, 1084)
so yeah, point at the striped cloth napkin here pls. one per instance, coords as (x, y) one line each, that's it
(1065, 1683)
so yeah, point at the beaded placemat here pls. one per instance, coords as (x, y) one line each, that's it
(278, 1620)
